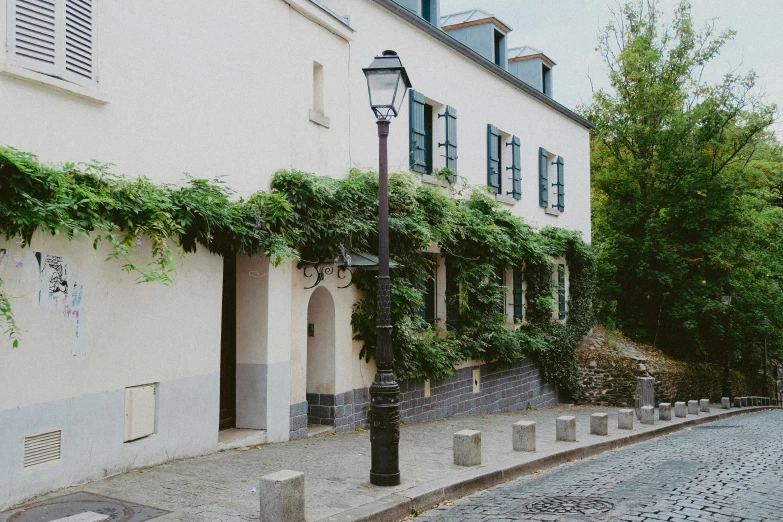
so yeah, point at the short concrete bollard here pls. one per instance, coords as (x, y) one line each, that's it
(282, 496)
(704, 405)
(467, 448)
(665, 411)
(752, 401)
(599, 424)
(625, 419)
(680, 409)
(693, 407)
(648, 415)
(524, 436)
(737, 402)
(565, 428)
(725, 403)
(744, 401)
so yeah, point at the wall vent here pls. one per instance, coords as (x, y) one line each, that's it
(42, 448)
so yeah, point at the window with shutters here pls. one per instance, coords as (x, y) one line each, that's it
(500, 279)
(551, 181)
(453, 297)
(516, 168)
(494, 159)
(54, 37)
(421, 134)
(559, 276)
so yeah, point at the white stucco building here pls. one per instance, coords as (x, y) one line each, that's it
(126, 375)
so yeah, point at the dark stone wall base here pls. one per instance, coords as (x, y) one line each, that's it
(507, 388)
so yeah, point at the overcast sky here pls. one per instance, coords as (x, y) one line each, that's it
(567, 31)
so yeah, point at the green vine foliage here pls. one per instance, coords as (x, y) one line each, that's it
(319, 220)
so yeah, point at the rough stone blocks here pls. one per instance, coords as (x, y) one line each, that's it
(693, 407)
(565, 428)
(524, 436)
(704, 405)
(744, 401)
(282, 496)
(467, 448)
(599, 424)
(680, 409)
(648, 415)
(625, 419)
(665, 411)
(725, 403)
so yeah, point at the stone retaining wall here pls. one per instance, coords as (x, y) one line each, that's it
(501, 389)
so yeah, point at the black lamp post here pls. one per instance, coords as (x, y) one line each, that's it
(387, 82)
(764, 390)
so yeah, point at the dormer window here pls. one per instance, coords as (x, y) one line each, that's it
(531, 66)
(481, 31)
(500, 48)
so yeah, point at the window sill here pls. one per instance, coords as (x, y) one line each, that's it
(552, 211)
(15, 71)
(506, 200)
(434, 180)
(319, 119)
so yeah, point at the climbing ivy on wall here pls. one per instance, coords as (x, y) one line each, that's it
(319, 219)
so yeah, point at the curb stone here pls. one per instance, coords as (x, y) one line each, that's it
(421, 498)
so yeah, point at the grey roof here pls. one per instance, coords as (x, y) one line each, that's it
(526, 50)
(462, 17)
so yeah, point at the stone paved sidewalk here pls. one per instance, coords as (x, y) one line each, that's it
(221, 486)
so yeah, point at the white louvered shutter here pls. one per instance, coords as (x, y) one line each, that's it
(32, 34)
(79, 42)
(54, 37)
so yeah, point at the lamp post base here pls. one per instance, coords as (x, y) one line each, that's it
(377, 479)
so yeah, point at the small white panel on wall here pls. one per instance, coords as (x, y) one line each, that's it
(477, 380)
(139, 412)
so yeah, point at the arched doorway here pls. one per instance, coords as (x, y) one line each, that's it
(321, 370)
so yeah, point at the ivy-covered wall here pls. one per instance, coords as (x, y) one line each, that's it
(322, 220)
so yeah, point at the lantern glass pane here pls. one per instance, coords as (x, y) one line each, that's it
(382, 85)
(399, 93)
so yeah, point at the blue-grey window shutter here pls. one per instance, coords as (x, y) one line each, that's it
(451, 140)
(519, 310)
(515, 168)
(452, 296)
(560, 185)
(543, 178)
(418, 136)
(561, 291)
(493, 158)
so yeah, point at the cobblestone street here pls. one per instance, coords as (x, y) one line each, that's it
(730, 470)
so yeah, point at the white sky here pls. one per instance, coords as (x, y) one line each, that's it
(567, 32)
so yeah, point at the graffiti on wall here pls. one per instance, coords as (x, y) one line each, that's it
(60, 291)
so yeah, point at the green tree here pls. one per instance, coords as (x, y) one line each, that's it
(684, 196)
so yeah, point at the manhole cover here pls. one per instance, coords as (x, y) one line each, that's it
(569, 505)
(76, 503)
(715, 427)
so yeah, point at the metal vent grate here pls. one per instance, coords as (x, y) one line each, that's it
(42, 448)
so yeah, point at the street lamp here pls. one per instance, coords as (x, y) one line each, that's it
(764, 390)
(387, 82)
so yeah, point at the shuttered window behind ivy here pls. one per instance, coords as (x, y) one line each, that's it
(54, 37)
(519, 309)
(500, 278)
(418, 133)
(543, 178)
(452, 297)
(515, 168)
(428, 294)
(493, 159)
(451, 139)
(561, 291)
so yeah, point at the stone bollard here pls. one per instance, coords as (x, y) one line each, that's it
(648, 415)
(725, 403)
(704, 405)
(743, 401)
(737, 402)
(565, 428)
(665, 411)
(599, 424)
(467, 448)
(679, 409)
(751, 401)
(282, 496)
(625, 419)
(766, 401)
(693, 407)
(524, 436)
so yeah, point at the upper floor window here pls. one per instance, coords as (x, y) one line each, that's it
(54, 37)
(551, 181)
(425, 138)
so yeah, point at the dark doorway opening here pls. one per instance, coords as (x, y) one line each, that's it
(228, 345)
